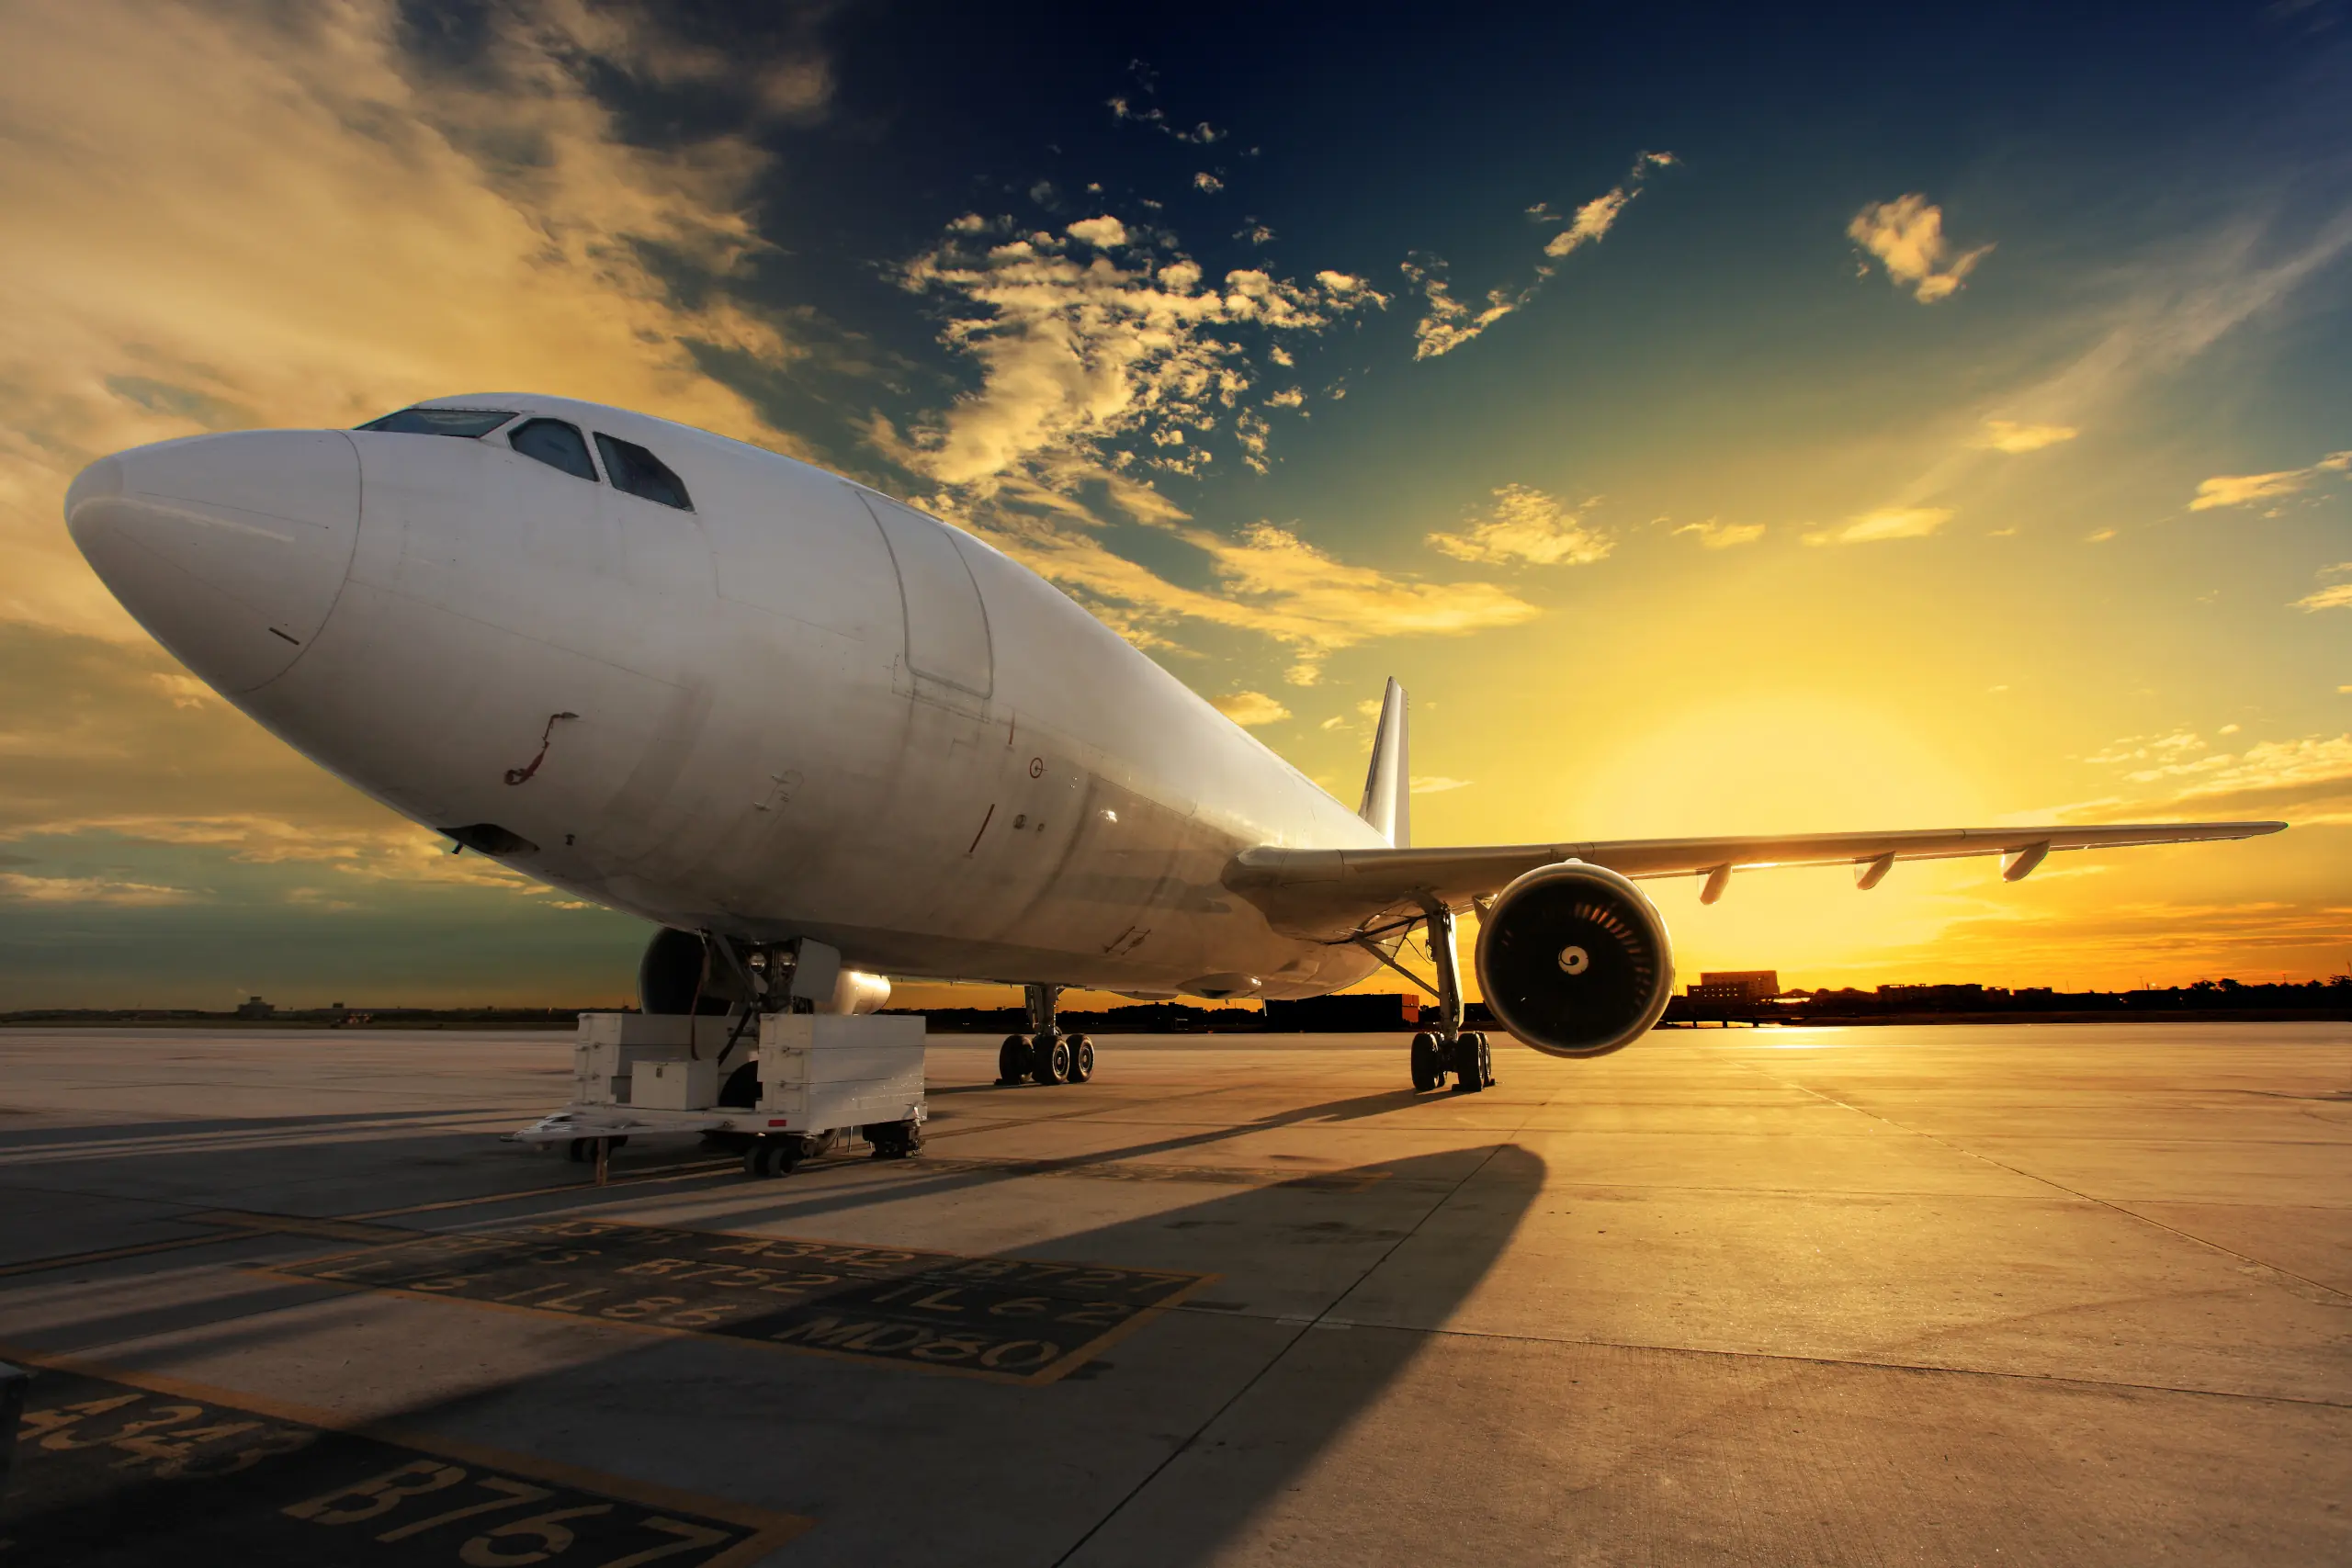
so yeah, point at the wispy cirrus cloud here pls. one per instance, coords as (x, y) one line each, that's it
(1447, 322)
(1906, 237)
(2307, 779)
(25, 888)
(1268, 579)
(2010, 436)
(2245, 489)
(2335, 596)
(1887, 523)
(1717, 536)
(1527, 527)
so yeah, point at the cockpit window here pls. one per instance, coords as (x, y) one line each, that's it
(468, 423)
(633, 468)
(556, 443)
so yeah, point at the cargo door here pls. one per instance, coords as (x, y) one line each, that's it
(948, 653)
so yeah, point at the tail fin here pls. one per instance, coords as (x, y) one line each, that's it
(1388, 798)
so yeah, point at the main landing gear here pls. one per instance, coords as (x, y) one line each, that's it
(1448, 1050)
(1046, 1054)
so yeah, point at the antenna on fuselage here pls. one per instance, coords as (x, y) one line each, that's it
(1387, 788)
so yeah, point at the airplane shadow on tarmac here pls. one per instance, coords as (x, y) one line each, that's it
(1156, 1448)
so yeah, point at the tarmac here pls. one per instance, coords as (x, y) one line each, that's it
(2072, 1294)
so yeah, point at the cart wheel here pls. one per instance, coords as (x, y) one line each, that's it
(759, 1160)
(580, 1151)
(894, 1140)
(789, 1153)
(1081, 1059)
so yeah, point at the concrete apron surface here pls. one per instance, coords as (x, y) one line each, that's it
(2064, 1294)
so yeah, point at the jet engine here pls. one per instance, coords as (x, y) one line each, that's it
(1574, 960)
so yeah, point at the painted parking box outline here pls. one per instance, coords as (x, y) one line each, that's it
(116, 1466)
(1005, 1319)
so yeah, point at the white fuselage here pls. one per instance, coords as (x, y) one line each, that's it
(800, 710)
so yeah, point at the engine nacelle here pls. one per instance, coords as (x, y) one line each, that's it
(1574, 960)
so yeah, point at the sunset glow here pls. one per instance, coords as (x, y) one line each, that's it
(1700, 462)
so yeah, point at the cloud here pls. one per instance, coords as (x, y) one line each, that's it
(350, 229)
(1269, 581)
(1436, 783)
(19, 887)
(1890, 522)
(2335, 596)
(1207, 182)
(1723, 535)
(2098, 535)
(1200, 135)
(1103, 233)
(2244, 490)
(1092, 363)
(1250, 708)
(1908, 237)
(2007, 436)
(1447, 322)
(2306, 779)
(1527, 526)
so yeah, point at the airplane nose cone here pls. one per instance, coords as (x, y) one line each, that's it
(230, 549)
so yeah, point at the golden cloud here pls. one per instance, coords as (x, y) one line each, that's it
(1076, 351)
(2243, 490)
(1527, 525)
(1252, 708)
(1907, 235)
(1448, 324)
(2009, 435)
(1890, 522)
(345, 233)
(19, 887)
(1717, 536)
(1269, 581)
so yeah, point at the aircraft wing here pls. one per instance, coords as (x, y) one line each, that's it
(1336, 894)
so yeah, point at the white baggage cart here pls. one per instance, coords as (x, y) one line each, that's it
(786, 1088)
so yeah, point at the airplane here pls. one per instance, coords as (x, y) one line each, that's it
(820, 738)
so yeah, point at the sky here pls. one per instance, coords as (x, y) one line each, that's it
(1721, 420)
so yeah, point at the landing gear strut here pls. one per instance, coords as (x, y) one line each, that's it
(1046, 1054)
(1449, 1049)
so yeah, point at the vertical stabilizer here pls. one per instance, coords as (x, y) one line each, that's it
(1388, 798)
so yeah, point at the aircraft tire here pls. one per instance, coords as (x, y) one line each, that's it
(1081, 1059)
(1427, 1071)
(759, 1158)
(1012, 1059)
(1469, 1077)
(1049, 1059)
